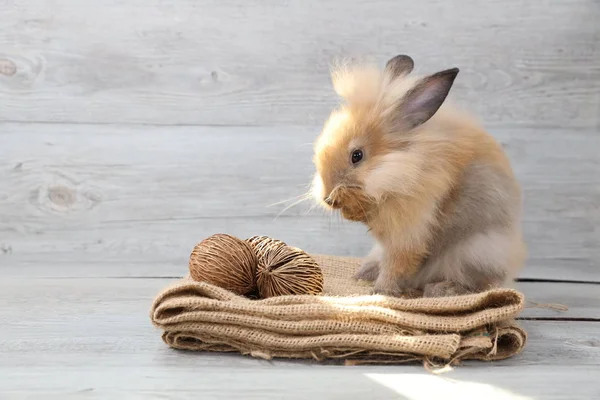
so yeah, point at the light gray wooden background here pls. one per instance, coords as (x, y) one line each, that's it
(130, 130)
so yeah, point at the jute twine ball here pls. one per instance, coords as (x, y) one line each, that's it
(264, 244)
(284, 270)
(225, 261)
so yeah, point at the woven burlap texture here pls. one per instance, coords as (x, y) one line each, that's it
(346, 322)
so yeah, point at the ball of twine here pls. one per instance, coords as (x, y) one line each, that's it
(264, 244)
(285, 270)
(225, 261)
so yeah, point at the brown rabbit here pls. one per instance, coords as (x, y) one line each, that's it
(435, 190)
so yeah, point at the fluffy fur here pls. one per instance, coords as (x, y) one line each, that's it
(436, 191)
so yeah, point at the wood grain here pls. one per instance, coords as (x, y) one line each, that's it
(133, 201)
(267, 63)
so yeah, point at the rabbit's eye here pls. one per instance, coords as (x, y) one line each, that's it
(357, 155)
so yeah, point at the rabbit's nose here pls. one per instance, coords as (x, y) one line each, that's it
(330, 202)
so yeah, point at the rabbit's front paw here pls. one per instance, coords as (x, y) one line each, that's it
(444, 289)
(387, 288)
(368, 271)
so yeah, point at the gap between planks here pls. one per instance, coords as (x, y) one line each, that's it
(558, 319)
(316, 126)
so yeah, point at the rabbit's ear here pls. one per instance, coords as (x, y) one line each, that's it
(401, 65)
(422, 101)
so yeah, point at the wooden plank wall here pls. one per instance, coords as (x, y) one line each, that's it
(117, 121)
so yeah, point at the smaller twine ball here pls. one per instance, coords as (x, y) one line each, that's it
(285, 270)
(264, 244)
(225, 261)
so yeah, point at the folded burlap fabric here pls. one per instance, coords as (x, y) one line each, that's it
(346, 322)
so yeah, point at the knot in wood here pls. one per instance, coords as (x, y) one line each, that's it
(61, 196)
(7, 67)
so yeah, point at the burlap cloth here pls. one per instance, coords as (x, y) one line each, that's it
(345, 323)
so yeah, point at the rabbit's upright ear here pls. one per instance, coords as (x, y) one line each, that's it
(399, 66)
(422, 101)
